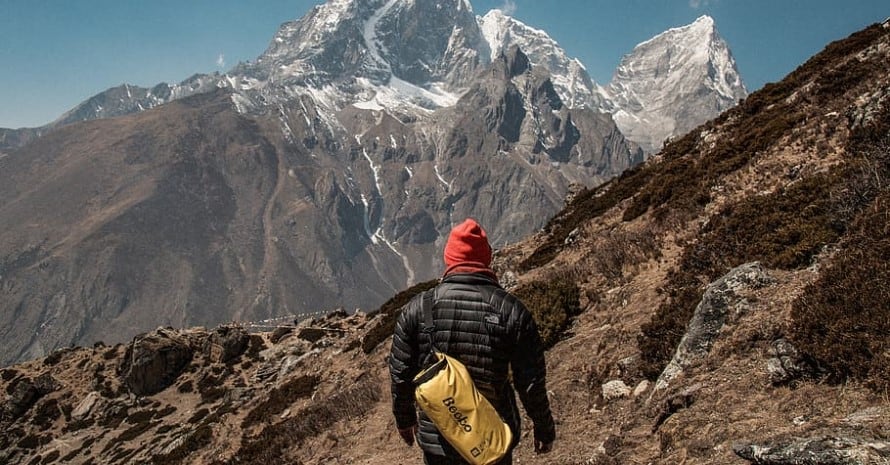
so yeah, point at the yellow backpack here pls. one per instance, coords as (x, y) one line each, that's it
(446, 393)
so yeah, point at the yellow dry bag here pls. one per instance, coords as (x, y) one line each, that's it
(464, 416)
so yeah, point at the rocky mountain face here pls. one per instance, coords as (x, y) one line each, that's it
(283, 196)
(673, 82)
(570, 78)
(323, 174)
(415, 56)
(724, 302)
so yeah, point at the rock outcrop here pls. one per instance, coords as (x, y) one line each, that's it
(721, 300)
(154, 361)
(817, 451)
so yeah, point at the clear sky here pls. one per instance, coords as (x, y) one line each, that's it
(57, 53)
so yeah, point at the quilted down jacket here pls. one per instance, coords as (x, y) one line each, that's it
(493, 334)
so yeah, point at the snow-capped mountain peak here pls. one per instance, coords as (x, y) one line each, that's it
(415, 56)
(569, 76)
(671, 83)
(408, 53)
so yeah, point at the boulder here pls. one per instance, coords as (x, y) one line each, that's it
(226, 343)
(720, 300)
(641, 388)
(311, 334)
(786, 364)
(26, 392)
(154, 361)
(86, 406)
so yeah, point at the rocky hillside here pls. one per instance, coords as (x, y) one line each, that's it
(725, 302)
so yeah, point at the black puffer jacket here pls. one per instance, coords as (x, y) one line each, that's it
(491, 332)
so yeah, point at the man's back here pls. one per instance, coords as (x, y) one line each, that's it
(488, 330)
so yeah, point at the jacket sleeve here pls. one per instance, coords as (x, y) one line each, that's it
(404, 366)
(530, 374)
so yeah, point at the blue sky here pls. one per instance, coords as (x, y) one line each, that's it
(57, 53)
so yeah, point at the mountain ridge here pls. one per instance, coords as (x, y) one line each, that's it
(304, 56)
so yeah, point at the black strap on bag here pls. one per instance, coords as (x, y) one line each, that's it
(429, 328)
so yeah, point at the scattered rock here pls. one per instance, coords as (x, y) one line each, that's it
(26, 392)
(154, 361)
(86, 406)
(280, 333)
(509, 280)
(311, 334)
(816, 451)
(641, 388)
(719, 299)
(674, 404)
(787, 364)
(614, 390)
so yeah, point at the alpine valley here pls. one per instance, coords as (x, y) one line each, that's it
(325, 173)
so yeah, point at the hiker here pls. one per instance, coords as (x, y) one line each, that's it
(485, 327)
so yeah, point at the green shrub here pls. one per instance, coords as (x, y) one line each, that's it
(553, 304)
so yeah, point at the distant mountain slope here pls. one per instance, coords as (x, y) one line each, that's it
(194, 214)
(324, 174)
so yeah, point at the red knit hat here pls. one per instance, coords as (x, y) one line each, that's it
(467, 246)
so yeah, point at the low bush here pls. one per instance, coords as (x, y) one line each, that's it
(843, 319)
(211, 388)
(785, 230)
(46, 412)
(586, 206)
(186, 387)
(553, 303)
(271, 444)
(281, 398)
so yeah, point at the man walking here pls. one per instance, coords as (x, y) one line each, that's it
(485, 327)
